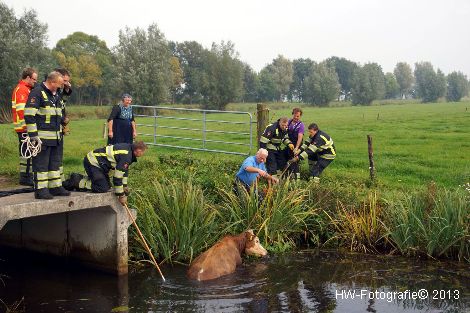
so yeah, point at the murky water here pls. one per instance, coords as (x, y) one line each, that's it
(307, 281)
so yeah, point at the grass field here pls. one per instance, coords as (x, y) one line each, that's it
(185, 201)
(414, 143)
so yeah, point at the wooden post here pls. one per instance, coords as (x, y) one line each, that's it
(262, 119)
(371, 158)
(105, 130)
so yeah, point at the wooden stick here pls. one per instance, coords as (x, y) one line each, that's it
(144, 241)
(371, 158)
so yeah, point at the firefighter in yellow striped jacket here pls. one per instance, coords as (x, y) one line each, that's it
(101, 163)
(275, 139)
(43, 117)
(319, 149)
(20, 94)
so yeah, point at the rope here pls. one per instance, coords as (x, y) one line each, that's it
(29, 148)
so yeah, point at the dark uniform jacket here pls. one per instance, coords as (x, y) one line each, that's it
(117, 157)
(43, 115)
(274, 138)
(321, 144)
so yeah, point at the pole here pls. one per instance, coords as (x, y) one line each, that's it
(371, 158)
(144, 241)
(262, 119)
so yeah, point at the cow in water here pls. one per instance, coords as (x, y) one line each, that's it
(223, 257)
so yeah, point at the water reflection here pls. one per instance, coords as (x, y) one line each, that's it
(307, 281)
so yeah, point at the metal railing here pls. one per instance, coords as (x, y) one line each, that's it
(199, 129)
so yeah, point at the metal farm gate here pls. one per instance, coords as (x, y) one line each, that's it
(204, 130)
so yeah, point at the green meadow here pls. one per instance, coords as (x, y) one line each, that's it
(418, 205)
(413, 143)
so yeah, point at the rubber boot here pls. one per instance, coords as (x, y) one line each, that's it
(59, 191)
(73, 183)
(43, 194)
(26, 179)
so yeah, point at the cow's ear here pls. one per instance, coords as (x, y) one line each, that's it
(250, 231)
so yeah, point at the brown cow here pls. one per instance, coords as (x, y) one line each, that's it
(223, 257)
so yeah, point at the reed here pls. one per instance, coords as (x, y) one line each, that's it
(176, 219)
(278, 219)
(435, 223)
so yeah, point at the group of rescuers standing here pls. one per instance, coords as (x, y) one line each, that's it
(40, 121)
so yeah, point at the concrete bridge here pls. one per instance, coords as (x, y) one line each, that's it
(85, 227)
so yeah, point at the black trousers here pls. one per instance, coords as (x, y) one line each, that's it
(317, 167)
(46, 168)
(25, 164)
(276, 161)
(98, 179)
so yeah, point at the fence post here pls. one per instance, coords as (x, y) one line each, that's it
(371, 158)
(262, 119)
(154, 126)
(105, 130)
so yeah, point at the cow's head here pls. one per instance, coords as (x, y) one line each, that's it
(253, 247)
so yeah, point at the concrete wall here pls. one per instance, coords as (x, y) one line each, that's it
(85, 227)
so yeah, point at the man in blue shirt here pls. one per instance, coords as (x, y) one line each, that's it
(252, 168)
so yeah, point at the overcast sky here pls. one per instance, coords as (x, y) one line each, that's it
(385, 32)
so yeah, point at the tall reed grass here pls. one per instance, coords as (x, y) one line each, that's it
(278, 219)
(176, 219)
(435, 223)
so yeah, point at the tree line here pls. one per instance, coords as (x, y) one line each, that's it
(155, 70)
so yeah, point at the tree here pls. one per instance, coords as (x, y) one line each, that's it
(430, 85)
(143, 65)
(404, 77)
(177, 78)
(267, 86)
(322, 85)
(90, 63)
(302, 68)
(368, 84)
(22, 44)
(392, 89)
(457, 86)
(251, 84)
(345, 70)
(192, 57)
(225, 73)
(282, 75)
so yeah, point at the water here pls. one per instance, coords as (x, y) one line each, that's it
(306, 281)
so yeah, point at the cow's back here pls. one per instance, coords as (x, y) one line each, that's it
(221, 259)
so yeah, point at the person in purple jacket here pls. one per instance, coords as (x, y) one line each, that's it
(295, 130)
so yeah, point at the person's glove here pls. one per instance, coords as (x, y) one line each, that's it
(66, 121)
(293, 160)
(296, 151)
(123, 199)
(291, 146)
(126, 191)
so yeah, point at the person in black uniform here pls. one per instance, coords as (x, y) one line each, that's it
(275, 139)
(98, 165)
(319, 149)
(121, 123)
(43, 117)
(65, 91)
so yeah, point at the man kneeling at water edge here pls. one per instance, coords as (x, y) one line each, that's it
(100, 162)
(252, 168)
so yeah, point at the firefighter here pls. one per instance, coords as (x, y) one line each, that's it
(101, 162)
(275, 139)
(65, 91)
(19, 97)
(43, 116)
(319, 149)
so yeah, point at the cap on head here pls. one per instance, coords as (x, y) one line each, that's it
(126, 95)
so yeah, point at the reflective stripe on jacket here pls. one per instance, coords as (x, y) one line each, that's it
(274, 138)
(117, 159)
(321, 144)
